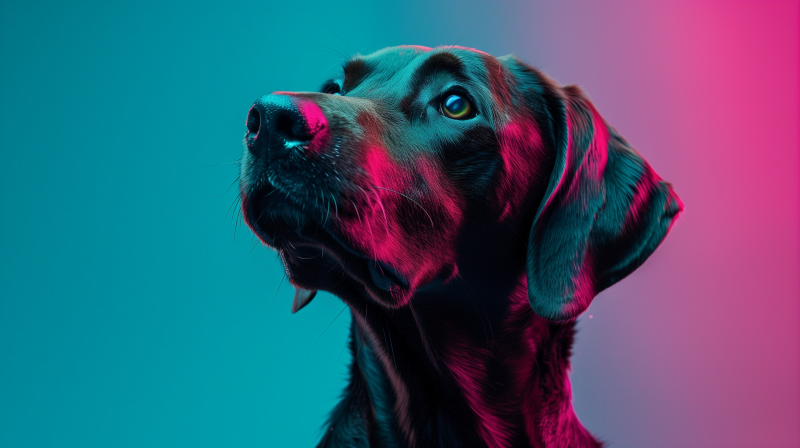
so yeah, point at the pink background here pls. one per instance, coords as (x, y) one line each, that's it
(699, 348)
(131, 316)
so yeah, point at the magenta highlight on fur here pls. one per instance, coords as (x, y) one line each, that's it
(465, 240)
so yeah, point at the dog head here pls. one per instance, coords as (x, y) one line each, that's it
(417, 164)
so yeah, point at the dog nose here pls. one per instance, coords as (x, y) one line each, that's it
(279, 124)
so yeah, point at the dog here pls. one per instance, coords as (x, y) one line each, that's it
(467, 209)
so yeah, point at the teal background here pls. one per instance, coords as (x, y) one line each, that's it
(135, 309)
(130, 315)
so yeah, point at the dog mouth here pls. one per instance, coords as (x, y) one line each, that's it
(311, 250)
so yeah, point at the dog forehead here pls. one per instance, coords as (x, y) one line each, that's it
(406, 61)
(395, 57)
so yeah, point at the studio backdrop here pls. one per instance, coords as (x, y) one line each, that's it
(137, 310)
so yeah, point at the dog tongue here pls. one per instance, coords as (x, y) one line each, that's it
(301, 298)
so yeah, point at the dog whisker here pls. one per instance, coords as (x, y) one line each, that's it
(390, 346)
(265, 209)
(356, 209)
(255, 243)
(332, 268)
(273, 298)
(327, 213)
(336, 63)
(335, 51)
(340, 281)
(347, 47)
(323, 332)
(336, 206)
(233, 203)
(363, 333)
(374, 245)
(226, 190)
(346, 341)
(369, 227)
(235, 162)
(329, 301)
(423, 335)
(383, 210)
(235, 226)
(415, 202)
(462, 38)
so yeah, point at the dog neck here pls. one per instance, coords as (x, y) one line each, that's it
(455, 369)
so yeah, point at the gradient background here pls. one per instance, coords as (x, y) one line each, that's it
(130, 314)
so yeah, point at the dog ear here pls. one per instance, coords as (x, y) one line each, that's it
(604, 212)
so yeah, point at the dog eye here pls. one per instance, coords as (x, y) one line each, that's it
(457, 107)
(332, 89)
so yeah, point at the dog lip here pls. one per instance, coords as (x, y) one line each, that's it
(285, 236)
(383, 275)
(342, 243)
(384, 272)
(315, 234)
(366, 270)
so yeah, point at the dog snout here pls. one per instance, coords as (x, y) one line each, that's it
(279, 124)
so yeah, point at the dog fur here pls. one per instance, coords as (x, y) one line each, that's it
(464, 248)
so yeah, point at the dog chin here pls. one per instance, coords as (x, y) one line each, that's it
(314, 256)
(316, 266)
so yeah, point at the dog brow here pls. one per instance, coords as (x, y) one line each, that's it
(354, 72)
(444, 62)
(440, 62)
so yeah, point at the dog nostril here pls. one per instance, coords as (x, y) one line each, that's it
(277, 126)
(253, 121)
(291, 126)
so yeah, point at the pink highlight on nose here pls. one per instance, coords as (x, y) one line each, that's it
(315, 119)
(316, 124)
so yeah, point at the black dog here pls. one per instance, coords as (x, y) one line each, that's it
(467, 209)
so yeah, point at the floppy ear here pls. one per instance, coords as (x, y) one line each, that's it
(605, 211)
